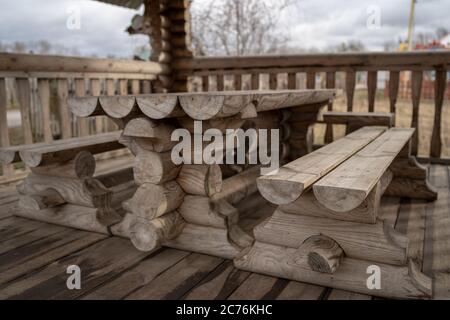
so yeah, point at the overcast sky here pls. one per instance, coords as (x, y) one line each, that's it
(310, 23)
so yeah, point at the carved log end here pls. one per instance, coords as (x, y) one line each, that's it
(324, 254)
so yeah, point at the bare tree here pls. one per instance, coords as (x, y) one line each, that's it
(236, 27)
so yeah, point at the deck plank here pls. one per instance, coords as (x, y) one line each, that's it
(437, 234)
(301, 291)
(336, 294)
(75, 240)
(179, 279)
(99, 263)
(29, 237)
(259, 287)
(142, 274)
(219, 284)
(12, 227)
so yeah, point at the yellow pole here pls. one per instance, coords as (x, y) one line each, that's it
(411, 26)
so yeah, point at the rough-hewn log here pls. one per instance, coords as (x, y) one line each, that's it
(324, 254)
(159, 106)
(47, 199)
(64, 150)
(375, 242)
(119, 106)
(286, 184)
(154, 167)
(82, 166)
(346, 187)
(151, 201)
(148, 235)
(203, 179)
(67, 215)
(367, 212)
(206, 240)
(239, 186)
(202, 211)
(147, 128)
(398, 281)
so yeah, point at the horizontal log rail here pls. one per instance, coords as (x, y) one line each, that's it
(38, 87)
(202, 71)
(332, 61)
(58, 64)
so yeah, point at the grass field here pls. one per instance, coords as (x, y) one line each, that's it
(403, 118)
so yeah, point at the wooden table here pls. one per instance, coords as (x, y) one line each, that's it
(193, 207)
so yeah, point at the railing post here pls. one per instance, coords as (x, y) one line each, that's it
(416, 88)
(273, 82)
(310, 80)
(95, 91)
(292, 80)
(440, 85)
(350, 79)
(205, 83)
(255, 81)
(63, 109)
(394, 80)
(238, 82)
(110, 87)
(330, 84)
(23, 95)
(220, 84)
(44, 95)
(371, 89)
(4, 133)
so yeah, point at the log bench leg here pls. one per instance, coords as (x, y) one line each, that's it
(410, 180)
(396, 281)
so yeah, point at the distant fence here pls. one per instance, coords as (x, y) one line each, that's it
(427, 91)
(40, 85)
(281, 71)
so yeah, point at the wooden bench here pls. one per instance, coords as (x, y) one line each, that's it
(65, 186)
(356, 120)
(328, 229)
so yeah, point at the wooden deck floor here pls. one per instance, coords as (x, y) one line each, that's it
(34, 257)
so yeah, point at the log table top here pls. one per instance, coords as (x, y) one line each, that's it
(197, 105)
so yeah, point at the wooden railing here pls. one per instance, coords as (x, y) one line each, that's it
(37, 86)
(281, 72)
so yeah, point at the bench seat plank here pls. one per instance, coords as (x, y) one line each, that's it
(287, 184)
(64, 150)
(363, 118)
(346, 187)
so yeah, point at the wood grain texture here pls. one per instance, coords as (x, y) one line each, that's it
(206, 240)
(203, 180)
(148, 235)
(24, 99)
(67, 149)
(154, 167)
(44, 96)
(398, 281)
(138, 276)
(118, 255)
(179, 279)
(440, 85)
(416, 91)
(394, 81)
(375, 242)
(347, 186)
(4, 131)
(151, 201)
(286, 184)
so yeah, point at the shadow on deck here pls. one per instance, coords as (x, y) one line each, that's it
(34, 257)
